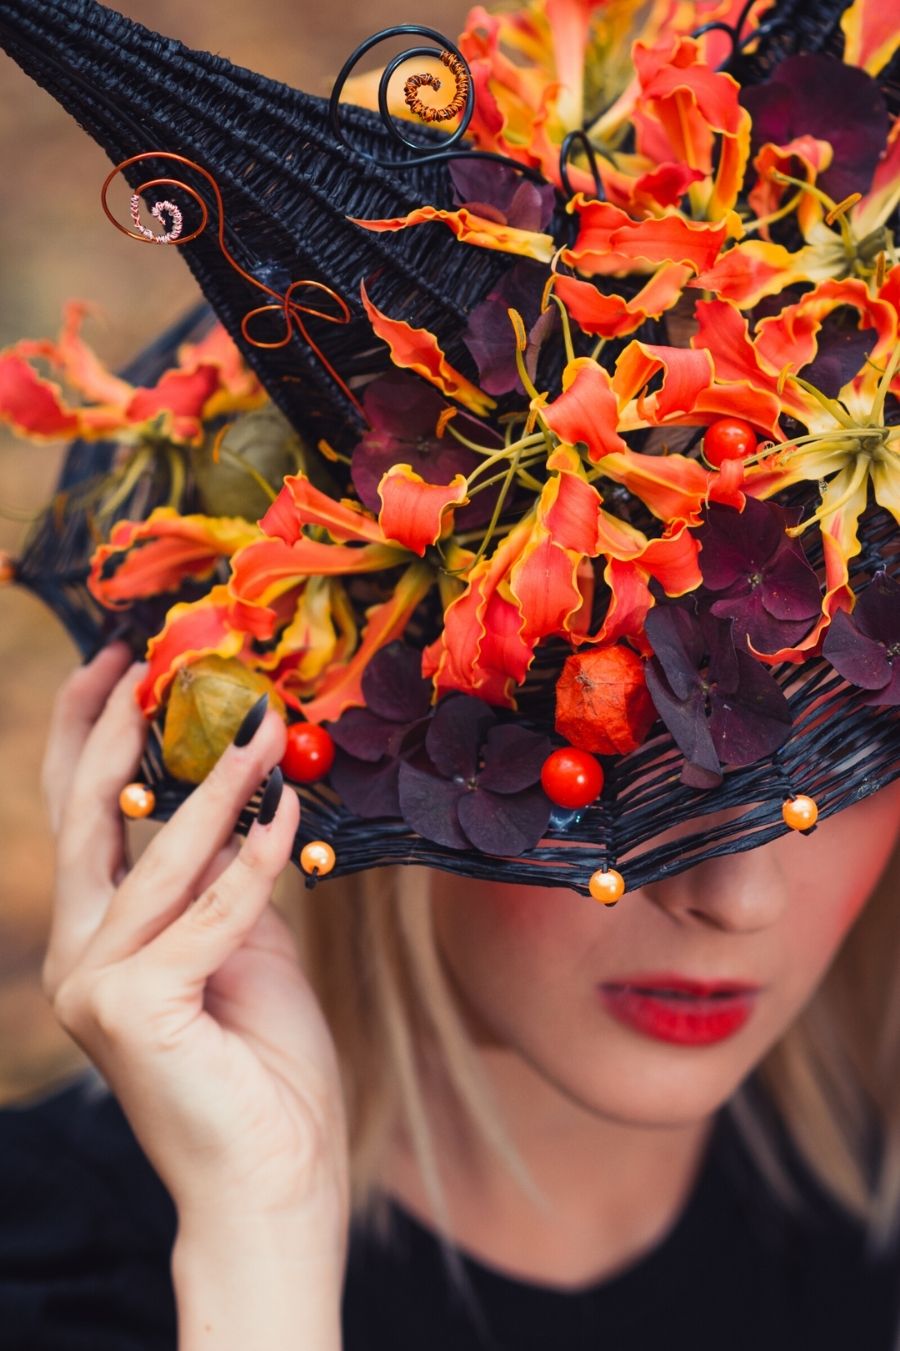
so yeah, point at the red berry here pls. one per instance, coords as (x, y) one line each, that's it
(730, 438)
(309, 754)
(571, 778)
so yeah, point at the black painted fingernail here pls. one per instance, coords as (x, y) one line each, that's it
(250, 726)
(271, 797)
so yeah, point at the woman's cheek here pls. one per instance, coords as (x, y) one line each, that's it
(832, 884)
(509, 925)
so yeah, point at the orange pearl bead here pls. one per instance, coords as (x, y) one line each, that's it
(800, 813)
(137, 800)
(317, 858)
(607, 885)
(7, 568)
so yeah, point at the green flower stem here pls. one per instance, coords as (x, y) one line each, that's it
(238, 462)
(498, 507)
(847, 237)
(566, 327)
(884, 385)
(176, 476)
(489, 451)
(506, 454)
(843, 439)
(526, 479)
(751, 226)
(859, 473)
(136, 465)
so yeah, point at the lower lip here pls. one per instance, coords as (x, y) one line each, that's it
(694, 1021)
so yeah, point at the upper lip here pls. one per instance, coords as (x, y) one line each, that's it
(663, 980)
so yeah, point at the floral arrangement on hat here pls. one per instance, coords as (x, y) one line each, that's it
(656, 525)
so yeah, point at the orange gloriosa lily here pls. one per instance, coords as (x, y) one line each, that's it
(210, 379)
(847, 445)
(470, 228)
(840, 239)
(418, 350)
(158, 554)
(871, 34)
(538, 583)
(277, 579)
(192, 630)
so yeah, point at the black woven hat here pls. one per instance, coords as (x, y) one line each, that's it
(280, 177)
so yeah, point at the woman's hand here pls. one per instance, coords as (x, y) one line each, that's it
(181, 981)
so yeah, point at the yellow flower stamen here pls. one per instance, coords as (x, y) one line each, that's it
(841, 207)
(835, 212)
(860, 472)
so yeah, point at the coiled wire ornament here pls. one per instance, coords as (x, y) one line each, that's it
(461, 104)
(286, 304)
(157, 210)
(429, 112)
(734, 30)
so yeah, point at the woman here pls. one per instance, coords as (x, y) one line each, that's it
(489, 1062)
(465, 1110)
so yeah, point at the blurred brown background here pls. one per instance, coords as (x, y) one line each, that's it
(55, 244)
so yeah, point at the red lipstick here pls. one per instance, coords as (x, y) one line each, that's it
(675, 1009)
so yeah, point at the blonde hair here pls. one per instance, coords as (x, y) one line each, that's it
(369, 950)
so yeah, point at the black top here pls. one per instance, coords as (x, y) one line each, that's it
(86, 1230)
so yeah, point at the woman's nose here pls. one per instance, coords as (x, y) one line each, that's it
(737, 893)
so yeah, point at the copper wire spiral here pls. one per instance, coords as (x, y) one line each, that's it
(286, 303)
(429, 112)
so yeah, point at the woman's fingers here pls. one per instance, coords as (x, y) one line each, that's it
(90, 852)
(195, 945)
(79, 702)
(169, 872)
(90, 833)
(218, 863)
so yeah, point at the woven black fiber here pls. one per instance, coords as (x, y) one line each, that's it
(287, 188)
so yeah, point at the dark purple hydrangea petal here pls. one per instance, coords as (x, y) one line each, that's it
(865, 647)
(677, 641)
(762, 578)
(790, 587)
(399, 405)
(540, 331)
(697, 776)
(455, 733)
(368, 791)
(820, 96)
(404, 411)
(686, 721)
(428, 804)
(842, 348)
(513, 757)
(889, 695)
(489, 334)
(877, 612)
(858, 658)
(735, 544)
(501, 824)
(755, 624)
(718, 640)
(752, 721)
(734, 715)
(522, 204)
(435, 461)
(363, 735)
(393, 685)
